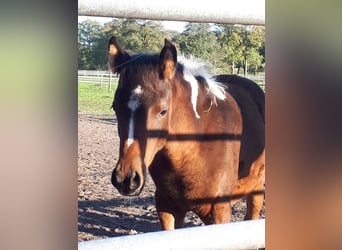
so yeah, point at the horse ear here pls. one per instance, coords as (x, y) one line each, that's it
(167, 61)
(117, 56)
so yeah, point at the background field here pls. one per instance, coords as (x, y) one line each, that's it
(95, 100)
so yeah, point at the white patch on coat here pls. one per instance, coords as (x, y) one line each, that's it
(130, 131)
(188, 76)
(133, 104)
(194, 68)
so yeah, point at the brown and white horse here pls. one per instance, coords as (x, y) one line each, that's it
(200, 137)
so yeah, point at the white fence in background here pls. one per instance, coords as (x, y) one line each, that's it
(104, 78)
(101, 78)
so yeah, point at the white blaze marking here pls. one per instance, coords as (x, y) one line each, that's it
(130, 131)
(133, 104)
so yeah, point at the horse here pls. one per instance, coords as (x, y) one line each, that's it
(200, 137)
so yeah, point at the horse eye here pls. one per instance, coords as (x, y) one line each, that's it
(163, 112)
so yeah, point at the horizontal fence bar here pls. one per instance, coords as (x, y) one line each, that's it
(93, 72)
(96, 77)
(234, 235)
(247, 12)
(104, 77)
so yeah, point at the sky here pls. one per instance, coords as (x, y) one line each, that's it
(169, 25)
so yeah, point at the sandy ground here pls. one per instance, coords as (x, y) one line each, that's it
(102, 211)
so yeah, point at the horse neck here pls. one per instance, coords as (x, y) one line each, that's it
(182, 147)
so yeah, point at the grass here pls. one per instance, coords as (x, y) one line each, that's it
(92, 99)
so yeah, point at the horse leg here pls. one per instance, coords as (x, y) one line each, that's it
(216, 213)
(247, 184)
(254, 202)
(170, 220)
(170, 217)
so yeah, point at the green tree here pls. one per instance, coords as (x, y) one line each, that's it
(138, 35)
(225, 47)
(152, 36)
(198, 41)
(253, 41)
(88, 34)
(231, 45)
(243, 46)
(257, 37)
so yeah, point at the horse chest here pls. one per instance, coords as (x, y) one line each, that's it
(188, 182)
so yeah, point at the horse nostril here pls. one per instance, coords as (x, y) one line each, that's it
(134, 181)
(116, 177)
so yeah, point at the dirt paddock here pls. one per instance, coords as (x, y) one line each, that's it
(102, 211)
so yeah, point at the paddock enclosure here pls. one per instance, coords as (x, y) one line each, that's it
(103, 212)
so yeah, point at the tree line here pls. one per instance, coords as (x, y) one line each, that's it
(227, 48)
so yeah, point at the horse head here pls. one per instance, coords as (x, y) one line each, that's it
(142, 106)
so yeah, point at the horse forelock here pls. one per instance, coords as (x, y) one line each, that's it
(193, 69)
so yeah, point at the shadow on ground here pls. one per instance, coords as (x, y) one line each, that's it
(109, 218)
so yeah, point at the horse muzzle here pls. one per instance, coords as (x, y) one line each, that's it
(128, 183)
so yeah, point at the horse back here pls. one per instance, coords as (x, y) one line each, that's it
(251, 101)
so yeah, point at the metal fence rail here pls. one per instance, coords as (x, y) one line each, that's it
(234, 235)
(216, 11)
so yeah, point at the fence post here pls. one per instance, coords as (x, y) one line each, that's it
(110, 81)
(101, 80)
